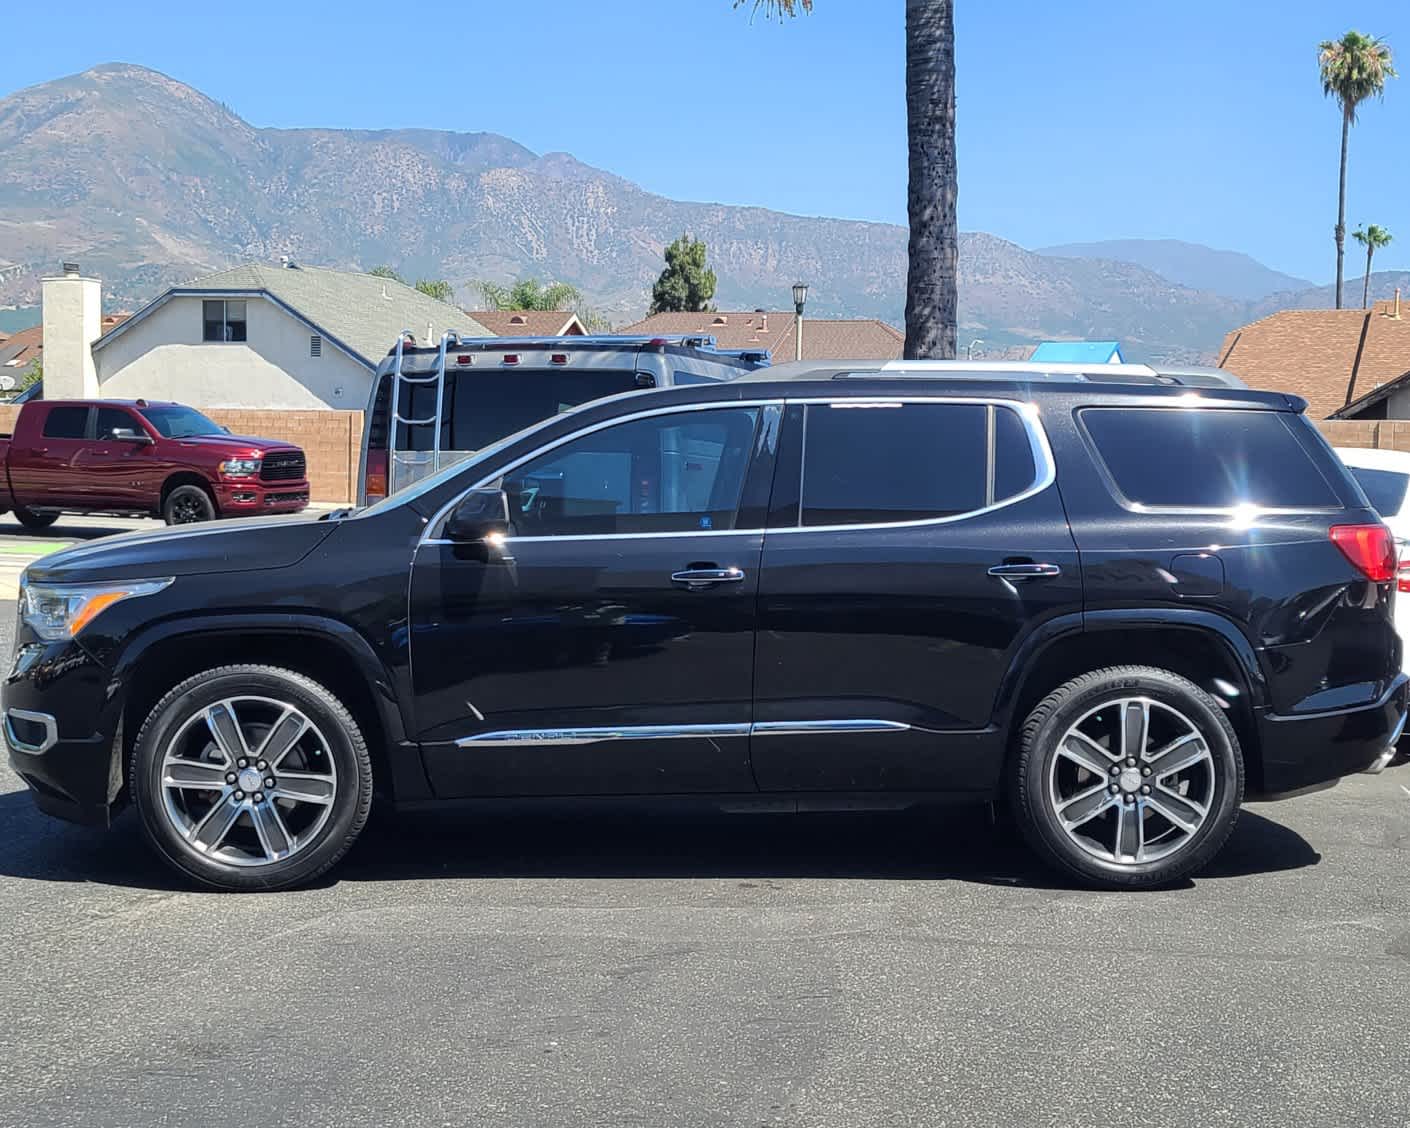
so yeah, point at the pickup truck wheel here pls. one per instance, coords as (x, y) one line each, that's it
(188, 504)
(251, 778)
(1128, 778)
(34, 521)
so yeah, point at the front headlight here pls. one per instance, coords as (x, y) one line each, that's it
(58, 611)
(240, 467)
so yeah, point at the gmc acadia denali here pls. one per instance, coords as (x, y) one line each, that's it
(1121, 601)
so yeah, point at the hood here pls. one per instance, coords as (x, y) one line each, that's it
(223, 440)
(238, 545)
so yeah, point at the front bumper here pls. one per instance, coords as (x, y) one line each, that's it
(241, 498)
(1302, 752)
(62, 731)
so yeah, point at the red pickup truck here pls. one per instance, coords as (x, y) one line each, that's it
(133, 457)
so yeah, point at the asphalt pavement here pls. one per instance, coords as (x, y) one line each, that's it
(657, 968)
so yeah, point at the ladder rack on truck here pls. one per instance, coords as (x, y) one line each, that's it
(432, 405)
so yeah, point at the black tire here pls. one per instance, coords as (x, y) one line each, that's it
(187, 505)
(181, 711)
(34, 522)
(1032, 786)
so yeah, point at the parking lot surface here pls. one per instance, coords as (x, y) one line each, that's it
(658, 968)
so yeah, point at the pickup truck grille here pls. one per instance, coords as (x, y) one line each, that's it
(282, 466)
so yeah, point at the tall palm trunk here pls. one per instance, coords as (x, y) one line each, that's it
(1341, 202)
(1366, 288)
(931, 290)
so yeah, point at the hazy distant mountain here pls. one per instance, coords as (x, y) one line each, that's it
(1230, 273)
(146, 182)
(1383, 285)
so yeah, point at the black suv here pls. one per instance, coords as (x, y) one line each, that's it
(1120, 601)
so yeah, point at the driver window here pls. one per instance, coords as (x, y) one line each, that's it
(682, 472)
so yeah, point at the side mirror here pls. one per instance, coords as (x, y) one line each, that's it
(129, 435)
(480, 515)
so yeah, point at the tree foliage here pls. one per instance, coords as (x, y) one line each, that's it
(1373, 238)
(780, 8)
(530, 293)
(386, 272)
(32, 375)
(687, 285)
(437, 288)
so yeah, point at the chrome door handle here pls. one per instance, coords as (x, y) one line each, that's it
(1024, 571)
(697, 578)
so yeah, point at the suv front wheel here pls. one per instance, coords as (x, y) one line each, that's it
(251, 778)
(1128, 777)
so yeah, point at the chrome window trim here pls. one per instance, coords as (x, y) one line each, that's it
(509, 738)
(44, 720)
(1045, 468)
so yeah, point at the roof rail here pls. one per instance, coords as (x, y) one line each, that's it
(1027, 371)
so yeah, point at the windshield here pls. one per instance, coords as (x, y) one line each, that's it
(1385, 489)
(176, 422)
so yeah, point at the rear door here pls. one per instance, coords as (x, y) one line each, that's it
(913, 544)
(606, 646)
(44, 458)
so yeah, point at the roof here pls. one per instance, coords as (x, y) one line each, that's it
(529, 322)
(362, 314)
(1078, 352)
(1339, 360)
(823, 338)
(21, 349)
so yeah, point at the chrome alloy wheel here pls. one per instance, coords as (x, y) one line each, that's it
(248, 781)
(1132, 781)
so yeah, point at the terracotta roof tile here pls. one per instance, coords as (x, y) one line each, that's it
(529, 322)
(823, 338)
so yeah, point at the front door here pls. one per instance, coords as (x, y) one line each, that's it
(606, 644)
(117, 470)
(912, 545)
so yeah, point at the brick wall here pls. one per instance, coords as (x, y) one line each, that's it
(1377, 434)
(330, 439)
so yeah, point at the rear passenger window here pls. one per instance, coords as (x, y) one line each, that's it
(66, 423)
(1204, 458)
(881, 463)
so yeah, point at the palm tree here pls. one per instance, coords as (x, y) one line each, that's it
(1373, 238)
(1354, 68)
(931, 285)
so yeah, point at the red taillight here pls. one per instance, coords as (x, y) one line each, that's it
(1370, 547)
(465, 358)
(558, 358)
(376, 480)
(1403, 578)
(511, 358)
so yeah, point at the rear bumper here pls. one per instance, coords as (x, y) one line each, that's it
(249, 499)
(1302, 752)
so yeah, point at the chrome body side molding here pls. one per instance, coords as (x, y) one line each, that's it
(503, 738)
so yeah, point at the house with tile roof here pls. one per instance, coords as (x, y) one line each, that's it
(1346, 363)
(529, 322)
(776, 332)
(282, 337)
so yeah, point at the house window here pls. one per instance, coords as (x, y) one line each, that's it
(223, 321)
(315, 346)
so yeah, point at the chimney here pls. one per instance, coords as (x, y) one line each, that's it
(73, 320)
(1396, 314)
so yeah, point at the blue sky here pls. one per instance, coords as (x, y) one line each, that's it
(1085, 119)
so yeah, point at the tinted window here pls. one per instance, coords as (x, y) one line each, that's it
(483, 407)
(1384, 488)
(1207, 459)
(173, 421)
(868, 464)
(671, 473)
(66, 423)
(1014, 469)
(111, 419)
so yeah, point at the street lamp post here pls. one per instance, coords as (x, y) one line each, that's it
(800, 298)
(969, 352)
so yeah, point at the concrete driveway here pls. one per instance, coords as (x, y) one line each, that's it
(569, 968)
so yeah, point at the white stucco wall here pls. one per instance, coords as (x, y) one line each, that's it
(72, 322)
(1398, 404)
(163, 357)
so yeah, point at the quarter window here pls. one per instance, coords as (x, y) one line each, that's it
(223, 321)
(1207, 458)
(66, 423)
(882, 463)
(669, 473)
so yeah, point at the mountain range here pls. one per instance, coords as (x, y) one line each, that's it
(146, 182)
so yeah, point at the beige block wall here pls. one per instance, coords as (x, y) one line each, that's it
(330, 439)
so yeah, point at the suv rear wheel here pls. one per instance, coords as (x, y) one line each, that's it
(251, 778)
(1128, 777)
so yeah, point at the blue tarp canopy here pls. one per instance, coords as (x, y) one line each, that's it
(1078, 352)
